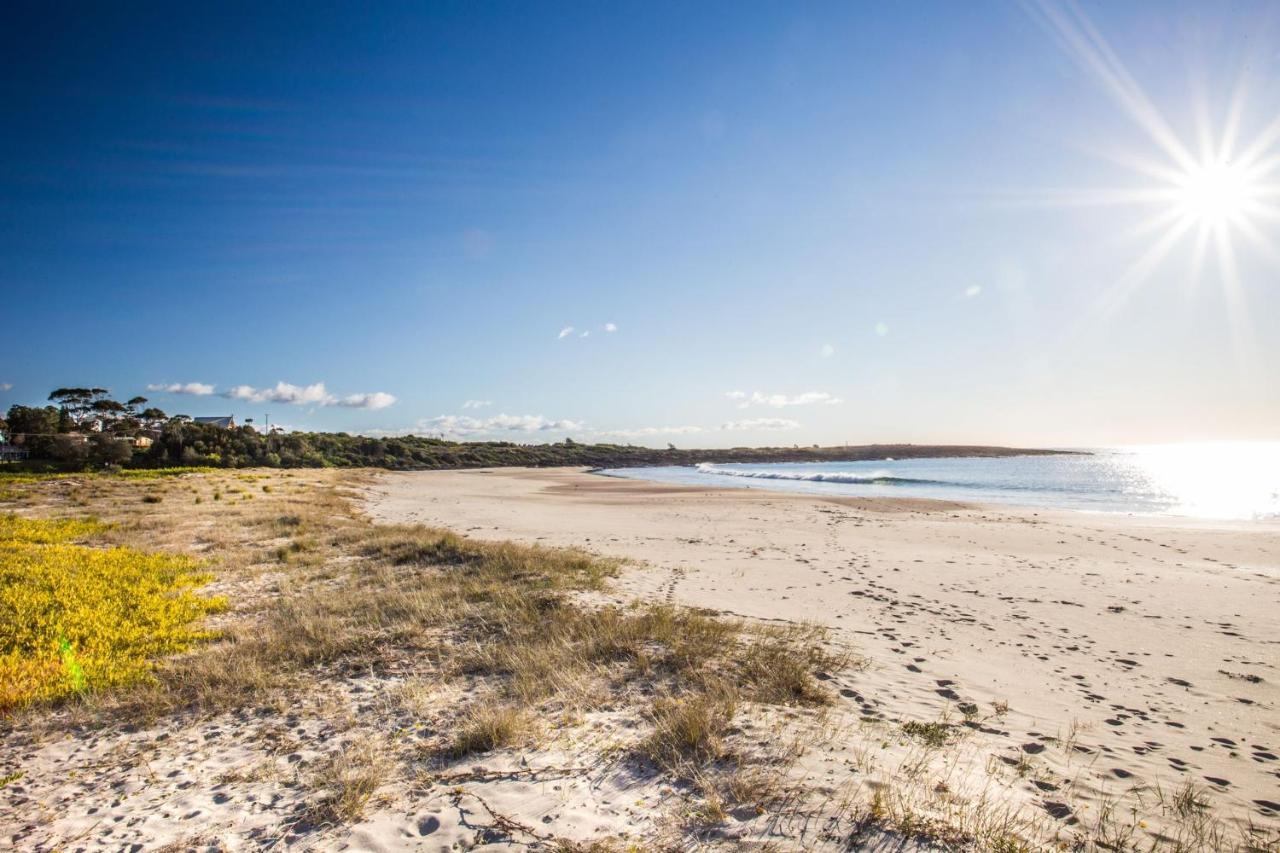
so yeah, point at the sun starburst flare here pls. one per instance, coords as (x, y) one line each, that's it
(1215, 195)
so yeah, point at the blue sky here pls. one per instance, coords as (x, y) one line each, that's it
(803, 222)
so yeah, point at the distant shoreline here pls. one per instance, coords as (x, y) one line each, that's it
(844, 453)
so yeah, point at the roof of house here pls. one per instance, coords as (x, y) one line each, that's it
(226, 422)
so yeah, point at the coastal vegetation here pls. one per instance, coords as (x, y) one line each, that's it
(84, 429)
(76, 618)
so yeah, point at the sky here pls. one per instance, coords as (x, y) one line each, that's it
(711, 224)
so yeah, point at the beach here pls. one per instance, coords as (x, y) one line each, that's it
(1148, 646)
(551, 659)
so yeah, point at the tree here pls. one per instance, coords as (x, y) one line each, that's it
(109, 450)
(33, 427)
(110, 413)
(78, 402)
(70, 450)
(152, 418)
(33, 420)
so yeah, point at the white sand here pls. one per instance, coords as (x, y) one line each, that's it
(1141, 634)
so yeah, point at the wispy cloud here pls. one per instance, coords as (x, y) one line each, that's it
(828, 350)
(199, 389)
(608, 328)
(972, 291)
(477, 404)
(309, 395)
(468, 427)
(463, 425)
(758, 424)
(649, 432)
(781, 401)
(6, 386)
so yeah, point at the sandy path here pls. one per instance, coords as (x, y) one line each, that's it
(1156, 640)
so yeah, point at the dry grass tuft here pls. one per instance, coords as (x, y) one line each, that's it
(932, 735)
(348, 779)
(490, 726)
(689, 730)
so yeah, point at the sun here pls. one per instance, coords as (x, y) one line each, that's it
(1215, 193)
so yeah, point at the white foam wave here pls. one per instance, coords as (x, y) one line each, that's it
(813, 477)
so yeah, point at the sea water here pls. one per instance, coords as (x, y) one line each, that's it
(1225, 480)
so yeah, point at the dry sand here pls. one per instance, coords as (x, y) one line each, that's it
(1132, 652)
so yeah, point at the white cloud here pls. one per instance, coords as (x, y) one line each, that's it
(309, 395)
(283, 392)
(972, 291)
(882, 328)
(463, 425)
(374, 400)
(200, 389)
(585, 334)
(753, 424)
(828, 350)
(477, 404)
(565, 332)
(610, 327)
(6, 386)
(779, 401)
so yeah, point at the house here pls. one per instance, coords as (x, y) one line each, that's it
(228, 422)
(13, 453)
(142, 442)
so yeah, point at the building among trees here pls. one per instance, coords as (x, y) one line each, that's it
(228, 422)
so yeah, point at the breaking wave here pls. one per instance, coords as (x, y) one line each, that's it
(872, 477)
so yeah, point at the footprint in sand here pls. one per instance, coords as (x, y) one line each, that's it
(1061, 811)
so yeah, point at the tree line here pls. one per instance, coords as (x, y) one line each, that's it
(84, 428)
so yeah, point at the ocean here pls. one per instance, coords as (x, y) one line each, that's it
(1222, 480)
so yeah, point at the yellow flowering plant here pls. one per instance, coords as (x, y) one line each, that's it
(74, 618)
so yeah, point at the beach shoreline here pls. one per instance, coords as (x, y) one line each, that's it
(1148, 638)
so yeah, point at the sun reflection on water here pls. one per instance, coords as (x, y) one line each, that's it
(1207, 479)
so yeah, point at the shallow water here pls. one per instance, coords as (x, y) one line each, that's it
(1228, 480)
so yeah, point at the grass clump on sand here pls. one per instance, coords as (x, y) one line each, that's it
(690, 729)
(487, 727)
(348, 780)
(930, 734)
(75, 618)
